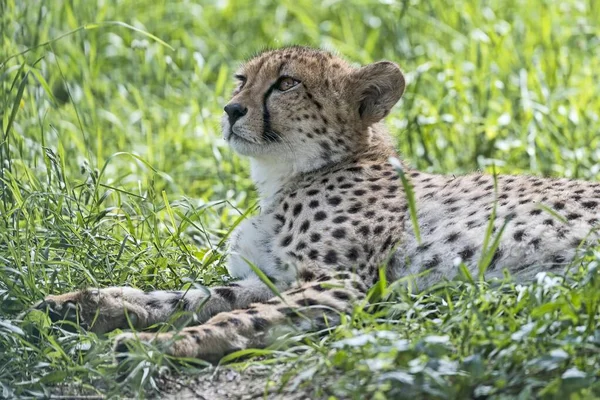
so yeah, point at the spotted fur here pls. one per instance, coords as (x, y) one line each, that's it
(333, 210)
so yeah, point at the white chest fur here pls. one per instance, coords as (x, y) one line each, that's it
(253, 242)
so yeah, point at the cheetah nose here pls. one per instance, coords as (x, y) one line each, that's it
(235, 111)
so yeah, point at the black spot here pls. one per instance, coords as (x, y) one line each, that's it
(313, 204)
(434, 262)
(356, 207)
(320, 216)
(347, 186)
(306, 275)
(360, 192)
(387, 243)
(285, 207)
(364, 230)
(352, 254)
(559, 259)
(334, 201)
(315, 237)
(548, 222)
(452, 237)
(338, 294)
(571, 216)
(559, 205)
(307, 302)
(535, 212)
(226, 293)
(296, 291)
(339, 233)
(286, 241)
(154, 303)
(252, 311)
(304, 227)
(378, 229)
(319, 287)
(330, 257)
(340, 219)
(424, 246)
(466, 253)
(312, 192)
(518, 235)
(313, 254)
(535, 243)
(589, 204)
(300, 246)
(354, 169)
(259, 324)
(297, 209)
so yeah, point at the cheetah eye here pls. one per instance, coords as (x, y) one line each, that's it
(286, 83)
(242, 81)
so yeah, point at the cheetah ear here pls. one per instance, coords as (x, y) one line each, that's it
(376, 88)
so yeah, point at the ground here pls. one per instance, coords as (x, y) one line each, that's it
(113, 173)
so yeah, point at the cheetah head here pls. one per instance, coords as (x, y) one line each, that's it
(307, 106)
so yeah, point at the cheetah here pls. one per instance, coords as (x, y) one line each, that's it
(334, 209)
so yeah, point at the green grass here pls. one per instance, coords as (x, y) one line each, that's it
(113, 172)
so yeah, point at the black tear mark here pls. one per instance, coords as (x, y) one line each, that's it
(268, 133)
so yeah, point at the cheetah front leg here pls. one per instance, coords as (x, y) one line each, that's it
(103, 310)
(314, 305)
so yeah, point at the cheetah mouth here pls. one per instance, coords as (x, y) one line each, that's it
(233, 135)
(237, 137)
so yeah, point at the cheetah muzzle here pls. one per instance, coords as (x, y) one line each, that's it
(333, 210)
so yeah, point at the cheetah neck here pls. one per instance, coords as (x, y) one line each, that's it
(271, 175)
(269, 178)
